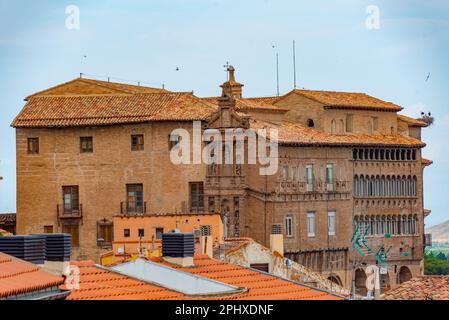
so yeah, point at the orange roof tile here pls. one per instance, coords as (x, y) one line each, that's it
(83, 86)
(20, 277)
(426, 162)
(290, 133)
(260, 286)
(248, 104)
(98, 283)
(412, 122)
(348, 100)
(107, 110)
(421, 288)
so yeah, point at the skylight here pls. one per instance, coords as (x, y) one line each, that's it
(173, 279)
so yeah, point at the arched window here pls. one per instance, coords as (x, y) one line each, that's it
(333, 126)
(356, 186)
(355, 154)
(376, 154)
(398, 154)
(366, 152)
(342, 126)
(393, 155)
(404, 185)
(387, 155)
(413, 154)
(371, 154)
(409, 155)
(382, 186)
(415, 186)
(393, 186)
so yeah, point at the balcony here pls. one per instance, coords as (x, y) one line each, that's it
(317, 186)
(65, 212)
(133, 208)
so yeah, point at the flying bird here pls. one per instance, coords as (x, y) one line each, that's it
(428, 76)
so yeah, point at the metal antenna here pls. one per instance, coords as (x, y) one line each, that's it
(277, 72)
(294, 65)
(226, 66)
(277, 69)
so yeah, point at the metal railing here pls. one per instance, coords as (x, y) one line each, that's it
(64, 211)
(133, 207)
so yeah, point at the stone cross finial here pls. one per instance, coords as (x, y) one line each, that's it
(231, 71)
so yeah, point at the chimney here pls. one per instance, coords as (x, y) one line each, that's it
(178, 248)
(231, 88)
(277, 239)
(206, 242)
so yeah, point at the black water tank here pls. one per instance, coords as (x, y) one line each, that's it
(31, 248)
(58, 246)
(178, 245)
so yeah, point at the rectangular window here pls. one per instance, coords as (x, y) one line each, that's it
(48, 229)
(73, 230)
(70, 199)
(137, 142)
(289, 226)
(375, 123)
(173, 140)
(309, 177)
(141, 233)
(330, 177)
(159, 233)
(311, 224)
(196, 197)
(349, 123)
(134, 198)
(33, 145)
(331, 223)
(260, 266)
(86, 145)
(104, 233)
(126, 233)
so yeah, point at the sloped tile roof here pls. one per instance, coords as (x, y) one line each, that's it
(260, 286)
(290, 133)
(83, 86)
(115, 109)
(20, 277)
(101, 284)
(421, 288)
(412, 122)
(248, 104)
(349, 100)
(7, 218)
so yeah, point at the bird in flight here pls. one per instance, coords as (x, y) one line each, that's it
(428, 76)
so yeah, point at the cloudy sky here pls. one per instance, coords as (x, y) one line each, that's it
(147, 41)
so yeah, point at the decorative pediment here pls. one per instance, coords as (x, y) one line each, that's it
(226, 116)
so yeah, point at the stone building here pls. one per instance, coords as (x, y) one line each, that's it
(88, 150)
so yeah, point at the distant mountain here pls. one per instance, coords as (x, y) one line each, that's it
(440, 232)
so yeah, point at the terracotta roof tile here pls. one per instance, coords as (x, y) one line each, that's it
(83, 86)
(7, 218)
(100, 284)
(290, 133)
(350, 100)
(412, 122)
(108, 110)
(248, 104)
(260, 286)
(421, 288)
(21, 277)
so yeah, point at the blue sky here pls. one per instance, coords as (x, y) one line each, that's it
(147, 41)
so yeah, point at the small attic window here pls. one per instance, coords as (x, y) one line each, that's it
(310, 123)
